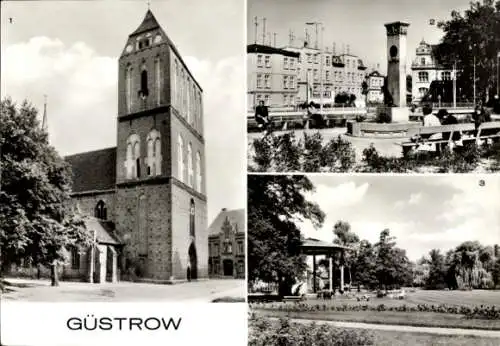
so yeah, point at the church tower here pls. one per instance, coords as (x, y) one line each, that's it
(160, 161)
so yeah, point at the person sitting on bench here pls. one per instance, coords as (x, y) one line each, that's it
(262, 115)
(430, 120)
(448, 119)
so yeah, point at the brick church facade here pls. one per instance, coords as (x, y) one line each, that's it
(145, 199)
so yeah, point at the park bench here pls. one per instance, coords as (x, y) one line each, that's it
(427, 135)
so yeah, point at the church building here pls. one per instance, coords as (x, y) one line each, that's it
(145, 199)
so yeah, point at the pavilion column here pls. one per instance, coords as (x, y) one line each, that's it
(330, 276)
(342, 278)
(314, 273)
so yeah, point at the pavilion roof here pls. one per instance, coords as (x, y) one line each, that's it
(311, 246)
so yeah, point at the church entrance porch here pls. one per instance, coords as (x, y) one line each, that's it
(227, 266)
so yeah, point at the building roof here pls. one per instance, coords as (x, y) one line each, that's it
(319, 247)
(235, 216)
(259, 48)
(149, 23)
(104, 230)
(93, 170)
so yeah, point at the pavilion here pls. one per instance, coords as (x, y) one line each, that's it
(314, 247)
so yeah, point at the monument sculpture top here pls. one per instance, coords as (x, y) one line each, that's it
(397, 28)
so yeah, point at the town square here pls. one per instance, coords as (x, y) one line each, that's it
(386, 87)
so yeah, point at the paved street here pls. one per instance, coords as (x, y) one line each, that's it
(200, 291)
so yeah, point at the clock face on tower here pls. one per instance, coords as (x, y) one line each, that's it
(393, 51)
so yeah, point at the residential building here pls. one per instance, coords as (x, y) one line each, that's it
(425, 69)
(375, 83)
(226, 244)
(271, 76)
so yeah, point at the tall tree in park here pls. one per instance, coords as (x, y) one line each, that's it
(392, 264)
(36, 220)
(344, 236)
(363, 265)
(275, 204)
(437, 270)
(473, 36)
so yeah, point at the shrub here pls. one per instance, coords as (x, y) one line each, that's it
(262, 332)
(338, 155)
(312, 152)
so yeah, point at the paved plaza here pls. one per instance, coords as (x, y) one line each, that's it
(199, 291)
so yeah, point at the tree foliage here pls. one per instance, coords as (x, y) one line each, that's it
(36, 221)
(468, 36)
(275, 205)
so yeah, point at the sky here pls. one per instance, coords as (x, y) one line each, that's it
(358, 23)
(422, 212)
(69, 51)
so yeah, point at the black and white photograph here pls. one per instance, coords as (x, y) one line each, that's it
(117, 183)
(373, 260)
(399, 86)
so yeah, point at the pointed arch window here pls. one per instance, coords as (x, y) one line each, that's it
(180, 157)
(100, 211)
(128, 87)
(132, 163)
(144, 92)
(158, 81)
(154, 153)
(190, 164)
(192, 214)
(198, 171)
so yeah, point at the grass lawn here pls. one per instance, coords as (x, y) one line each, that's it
(418, 319)
(460, 298)
(393, 338)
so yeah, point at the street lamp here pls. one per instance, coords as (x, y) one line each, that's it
(319, 24)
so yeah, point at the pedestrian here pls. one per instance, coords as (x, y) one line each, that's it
(448, 119)
(262, 115)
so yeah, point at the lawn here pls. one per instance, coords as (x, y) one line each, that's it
(393, 338)
(321, 309)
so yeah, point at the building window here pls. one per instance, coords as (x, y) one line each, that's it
(422, 61)
(259, 81)
(228, 247)
(180, 158)
(327, 75)
(285, 82)
(309, 58)
(75, 258)
(291, 63)
(241, 249)
(446, 75)
(100, 211)
(154, 153)
(267, 81)
(422, 91)
(192, 213)
(133, 161)
(198, 171)
(315, 74)
(316, 58)
(266, 100)
(259, 60)
(190, 164)
(158, 81)
(268, 61)
(298, 73)
(285, 63)
(128, 87)
(291, 85)
(423, 76)
(144, 92)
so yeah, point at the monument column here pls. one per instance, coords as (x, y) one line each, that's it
(396, 68)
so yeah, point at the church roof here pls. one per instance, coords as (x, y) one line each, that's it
(235, 216)
(104, 230)
(93, 170)
(149, 23)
